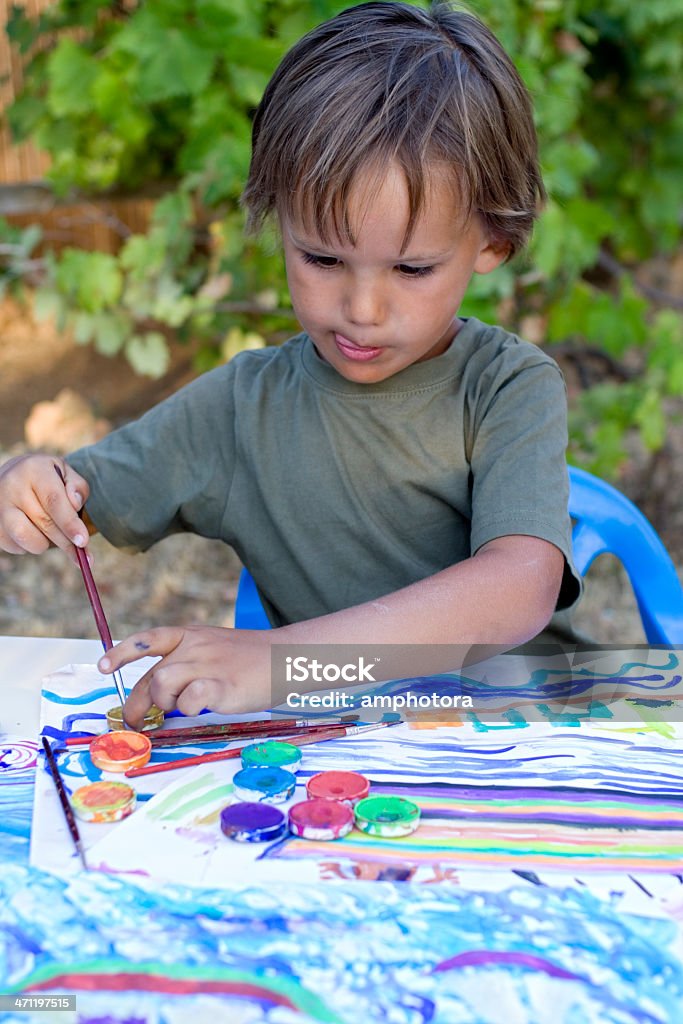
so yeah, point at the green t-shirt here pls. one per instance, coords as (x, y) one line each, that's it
(334, 493)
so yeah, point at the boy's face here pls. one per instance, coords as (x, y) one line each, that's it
(371, 310)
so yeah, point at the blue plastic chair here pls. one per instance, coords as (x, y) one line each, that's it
(249, 613)
(605, 522)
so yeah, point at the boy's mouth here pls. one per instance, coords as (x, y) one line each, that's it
(359, 353)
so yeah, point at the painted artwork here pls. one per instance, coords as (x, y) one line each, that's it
(485, 930)
(18, 763)
(298, 954)
(535, 791)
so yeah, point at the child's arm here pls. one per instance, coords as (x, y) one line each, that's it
(37, 509)
(502, 596)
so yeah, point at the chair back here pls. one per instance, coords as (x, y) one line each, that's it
(249, 612)
(607, 522)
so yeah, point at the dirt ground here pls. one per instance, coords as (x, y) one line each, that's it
(187, 579)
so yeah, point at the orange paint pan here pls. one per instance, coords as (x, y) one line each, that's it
(120, 751)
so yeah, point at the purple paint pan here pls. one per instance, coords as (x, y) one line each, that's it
(253, 822)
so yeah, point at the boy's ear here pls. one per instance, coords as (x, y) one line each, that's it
(491, 255)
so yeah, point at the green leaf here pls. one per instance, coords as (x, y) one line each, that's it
(83, 327)
(258, 54)
(171, 306)
(173, 214)
(143, 255)
(110, 333)
(91, 280)
(24, 116)
(225, 168)
(649, 416)
(547, 247)
(569, 315)
(177, 68)
(71, 74)
(566, 162)
(148, 354)
(666, 349)
(22, 30)
(46, 304)
(674, 380)
(248, 84)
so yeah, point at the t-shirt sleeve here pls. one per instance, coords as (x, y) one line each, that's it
(167, 472)
(518, 462)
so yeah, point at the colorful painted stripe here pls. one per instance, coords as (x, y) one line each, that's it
(534, 829)
(584, 808)
(110, 976)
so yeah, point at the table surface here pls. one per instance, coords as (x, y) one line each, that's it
(24, 660)
(332, 952)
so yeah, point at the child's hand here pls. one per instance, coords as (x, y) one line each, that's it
(37, 509)
(226, 670)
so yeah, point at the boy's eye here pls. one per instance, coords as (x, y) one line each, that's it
(327, 262)
(409, 271)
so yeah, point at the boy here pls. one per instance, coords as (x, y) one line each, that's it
(394, 474)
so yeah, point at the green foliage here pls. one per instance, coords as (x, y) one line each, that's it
(161, 94)
(607, 85)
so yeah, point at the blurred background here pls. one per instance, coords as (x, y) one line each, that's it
(124, 271)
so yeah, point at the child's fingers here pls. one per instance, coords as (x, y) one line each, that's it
(199, 694)
(20, 535)
(32, 486)
(152, 643)
(53, 515)
(175, 689)
(199, 667)
(54, 510)
(14, 526)
(138, 704)
(77, 488)
(172, 685)
(163, 685)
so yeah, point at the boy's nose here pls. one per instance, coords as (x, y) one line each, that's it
(365, 304)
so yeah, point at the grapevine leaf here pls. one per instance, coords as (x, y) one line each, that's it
(148, 354)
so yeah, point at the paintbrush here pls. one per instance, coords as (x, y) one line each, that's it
(208, 736)
(226, 755)
(228, 731)
(253, 735)
(96, 604)
(254, 725)
(64, 801)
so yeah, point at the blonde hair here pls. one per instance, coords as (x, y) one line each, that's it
(387, 82)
